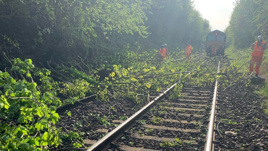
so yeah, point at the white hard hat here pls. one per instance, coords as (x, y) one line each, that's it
(259, 37)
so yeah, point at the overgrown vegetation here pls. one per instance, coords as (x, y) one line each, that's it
(28, 106)
(242, 64)
(82, 33)
(247, 22)
(30, 97)
(108, 49)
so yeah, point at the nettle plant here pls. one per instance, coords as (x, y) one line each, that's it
(28, 106)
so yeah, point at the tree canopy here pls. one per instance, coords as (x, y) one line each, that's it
(247, 22)
(71, 31)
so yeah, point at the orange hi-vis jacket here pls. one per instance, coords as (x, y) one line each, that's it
(163, 52)
(258, 50)
(189, 50)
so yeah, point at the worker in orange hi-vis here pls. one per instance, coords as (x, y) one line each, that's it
(163, 52)
(258, 48)
(189, 49)
(214, 51)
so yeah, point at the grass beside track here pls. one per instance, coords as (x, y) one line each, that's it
(242, 57)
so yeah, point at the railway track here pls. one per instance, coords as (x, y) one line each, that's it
(162, 124)
(178, 124)
(169, 124)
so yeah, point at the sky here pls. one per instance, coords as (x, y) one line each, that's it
(217, 12)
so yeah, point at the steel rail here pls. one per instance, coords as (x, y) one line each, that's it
(115, 134)
(208, 146)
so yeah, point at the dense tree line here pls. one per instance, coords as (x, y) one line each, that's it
(176, 22)
(48, 30)
(79, 32)
(248, 20)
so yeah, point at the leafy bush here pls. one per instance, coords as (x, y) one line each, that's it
(28, 108)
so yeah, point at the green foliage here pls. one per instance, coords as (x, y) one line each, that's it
(264, 92)
(242, 66)
(157, 120)
(135, 82)
(120, 15)
(9, 41)
(28, 108)
(228, 121)
(72, 138)
(28, 112)
(143, 78)
(176, 22)
(123, 118)
(74, 74)
(76, 88)
(66, 30)
(176, 92)
(81, 32)
(177, 142)
(103, 120)
(262, 19)
(242, 25)
(247, 21)
(28, 103)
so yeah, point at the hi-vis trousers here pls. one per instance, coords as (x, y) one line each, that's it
(258, 61)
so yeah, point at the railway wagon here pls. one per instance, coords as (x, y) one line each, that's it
(215, 43)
